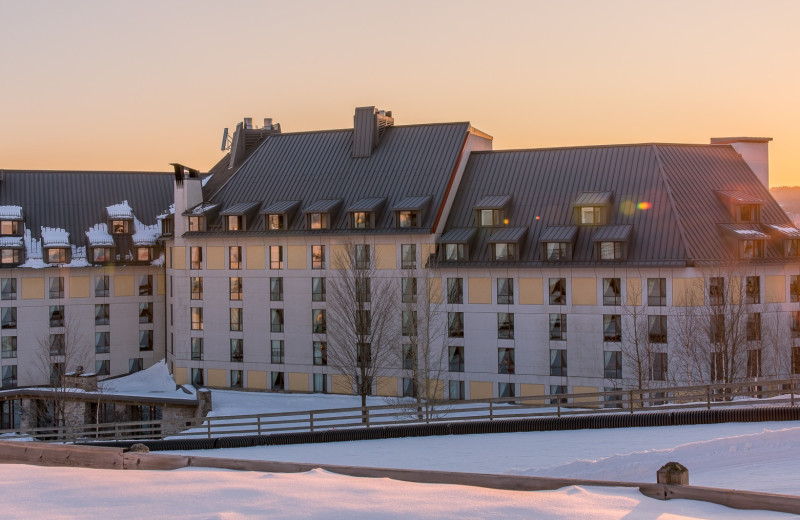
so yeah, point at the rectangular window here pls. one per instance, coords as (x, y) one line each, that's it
(505, 360)
(795, 325)
(489, 217)
(237, 379)
(120, 227)
(320, 351)
(795, 360)
(146, 312)
(276, 320)
(408, 357)
(197, 377)
(558, 362)
(408, 256)
(197, 349)
(456, 359)
(318, 221)
(102, 342)
(10, 227)
(144, 254)
(558, 291)
(145, 340)
(455, 252)
(236, 319)
(363, 289)
(233, 222)
(195, 257)
(591, 215)
(502, 251)
(237, 350)
(753, 326)
(656, 292)
(612, 327)
(754, 363)
(716, 290)
(455, 390)
(275, 222)
(407, 219)
(317, 257)
(57, 315)
(718, 366)
(751, 248)
(276, 380)
(9, 347)
(558, 327)
(101, 254)
(455, 290)
(56, 255)
(235, 288)
(409, 325)
(612, 365)
(101, 314)
(56, 344)
(13, 256)
(276, 257)
(320, 383)
(455, 324)
(318, 323)
(408, 288)
(657, 329)
(56, 287)
(196, 284)
(794, 288)
(362, 256)
(235, 257)
(505, 291)
(658, 366)
(555, 251)
(102, 367)
(9, 376)
(612, 291)
(276, 351)
(363, 323)
(505, 325)
(318, 289)
(276, 289)
(716, 329)
(197, 318)
(362, 219)
(752, 289)
(9, 318)
(409, 387)
(101, 286)
(8, 289)
(611, 251)
(145, 285)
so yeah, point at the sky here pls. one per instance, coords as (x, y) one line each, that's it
(104, 85)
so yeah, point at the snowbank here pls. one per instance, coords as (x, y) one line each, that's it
(155, 380)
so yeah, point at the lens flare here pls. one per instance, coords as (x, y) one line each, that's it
(644, 205)
(505, 221)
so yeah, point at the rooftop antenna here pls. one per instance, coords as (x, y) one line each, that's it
(226, 140)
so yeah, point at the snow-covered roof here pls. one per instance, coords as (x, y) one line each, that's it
(54, 237)
(11, 242)
(201, 209)
(98, 236)
(155, 381)
(121, 210)
(145, 235)
(11, 212)
(169, 213)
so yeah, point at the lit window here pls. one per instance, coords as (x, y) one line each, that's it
(56, 255)
(10, 256)
(275, 222)
(318, 324)
(320, 353)
(196, 257)
(318, 221)
(235, 257)
(197, 223)
(9, 227)
(233, 222)
(362, 219)
(276, 257)
(119, 227)
(196, 284)
(197, 318)
(235, 288)
(101, 254)
(317, 257)
(407, 219)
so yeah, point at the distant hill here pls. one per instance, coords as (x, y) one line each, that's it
(789, 198)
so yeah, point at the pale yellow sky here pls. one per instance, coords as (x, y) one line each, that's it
(137, 85)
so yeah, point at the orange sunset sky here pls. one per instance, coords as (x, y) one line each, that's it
(136, 85)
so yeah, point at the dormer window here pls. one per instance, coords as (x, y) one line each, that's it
(748, 212)
(10, 256)
(751, 248)
(10, 227)
(364, 213)
(102, 254)
(318, 221)
(592, 216)
(200, 216)
(407, 219)
(240, 215)
(611, 242)
(611, 250)
(749, 239)
(275, 222)
(593, 208)
(786, 235)
(491, 210)
(457, 242)
(504, 251)
(455, 252)
(167, 225)
(362, 220)
(490, 217)
(56, 248)
(56, 255)
(320, 214)
(742, 207)
(792, 247)
(120, 227)
(120, 218)
(197, 223)
(558, 242)
(555, 251)
(144, 253)
(408, 212)
(278, 215)
(505, 243)
(233, 223)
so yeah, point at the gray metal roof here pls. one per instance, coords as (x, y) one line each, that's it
(282, 207)
(739, 198)
(76, 201)
(618, 233)
(785, 231)
(458, 236)
(368, 204)
(323, 206)
(493, 202)
(594, 198)
(507, 234)
(204, 208)
(240, 208)
(413, 203)
(744, 231)
(559, 234)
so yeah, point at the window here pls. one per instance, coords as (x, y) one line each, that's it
(318, 324)
(455, 290)
(167, 225)
(409, 326)
(558, 362)
(612, 365)
(145, 285)
(753, 326)
(320, 383)
(276, 257)
(658, 366)
(276, 320)
(276, 351)
(197, 318)
(793, 247)
(505, 325)
(10, 256)
(235, 288)
(9, 347)
(408, 357)
(716, 290)
(145, 340)
(101, 254)
(9, 318)
(56, 255)
(318, 221)
(197, 223)
(236, 319)
(408, 288)
(9, 376)
(591, 215)
(8, 289)
(408, 256)
(320, 351)
(612, 327)
(197, 376)
(195, 257)
(407, 219)
(276, 222)
(317, 257)
(144, 253)
(363, 323)
(455, 324)
(748, 212)
(656, 292)
(456, 359)
(795, 325)
(120, 227)
(794, 288)
(489, 217)
(716, 328)
(657, 329)
(102, 342)
(558, 327)
(362, 219)
(57, 287)
(235, 257)
(719, 363)
(146, 312)
(102, 367)
(233, 222)
(56, 344)
(455, 252)
(317, 289)
(555, 251)
(56, 373)
(752, 289)
(503, 251)
(558, 291)
(276, 289)
(505, 360)
(101, 314)
(237, 379)
(795, 360)
(363, 289)
(362, 256)
(505, 389)
(611, 250)
(455, 390)
(196, 284)
(276, 380)
(612, 291)
(10, 227)
(197, 349)
(56, 315)
(751, 248)
(237, 350)
(505, 290)
(754, 363)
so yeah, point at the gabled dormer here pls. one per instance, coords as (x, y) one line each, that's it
(11, 224)
(742, 207)
(492, 211)
(364, 213)
(167, 222)
(120, 219)
(788, 238)
(320, 214)
(199, 216)
(410, 212)
(558, 243)
(278, 215)
(240, 216)
(592, 208)
(56, 248)
(457, 243)
(748, 239)
(612, 242)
